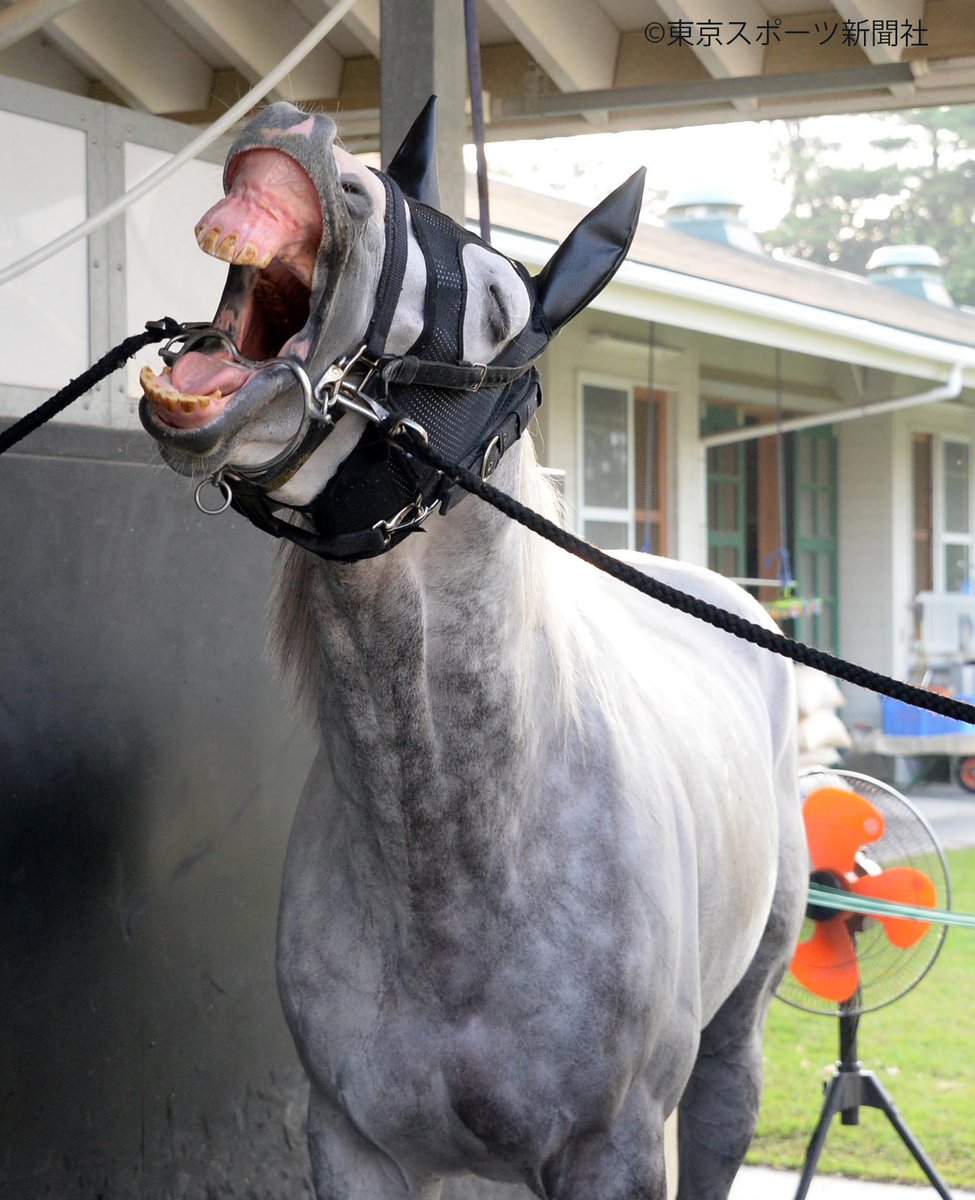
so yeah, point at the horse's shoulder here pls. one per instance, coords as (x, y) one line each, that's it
(708, 648)
(699, 582)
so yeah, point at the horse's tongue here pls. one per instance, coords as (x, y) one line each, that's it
(201, 374)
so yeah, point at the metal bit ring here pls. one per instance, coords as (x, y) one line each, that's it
(222, 486)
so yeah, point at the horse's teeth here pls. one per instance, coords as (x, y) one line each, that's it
(210, 239)
(250, 256)
(168, 395)
(228, 247)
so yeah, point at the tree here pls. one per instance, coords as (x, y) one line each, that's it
(913, 183)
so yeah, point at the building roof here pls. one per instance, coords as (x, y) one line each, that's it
(551, 219)
(550, 67)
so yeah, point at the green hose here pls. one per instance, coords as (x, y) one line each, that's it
(836, 898)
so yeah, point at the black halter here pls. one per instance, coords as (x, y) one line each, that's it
(470, 412)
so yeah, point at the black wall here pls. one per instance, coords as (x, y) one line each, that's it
(149, 770)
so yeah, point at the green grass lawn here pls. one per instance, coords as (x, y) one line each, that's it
(922, 1049)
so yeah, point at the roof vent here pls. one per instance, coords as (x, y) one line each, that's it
(913, 270)
(713, 213)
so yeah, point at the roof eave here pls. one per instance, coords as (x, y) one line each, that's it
(707, 306)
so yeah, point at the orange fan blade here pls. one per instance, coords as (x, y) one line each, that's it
(838, 823)
(827, 963)
(907, 886)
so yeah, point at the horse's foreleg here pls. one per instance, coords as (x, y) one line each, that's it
(719, 1111)
(719, 1108)
(624, 1162)
(345, 1166)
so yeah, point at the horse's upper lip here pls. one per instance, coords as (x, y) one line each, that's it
(270, 228)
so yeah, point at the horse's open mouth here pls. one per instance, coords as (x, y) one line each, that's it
(270, 227)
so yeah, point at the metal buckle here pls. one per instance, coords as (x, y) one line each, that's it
(336, 389)
(414, 514)
(405, 423)
(480, 383)
(492, 456)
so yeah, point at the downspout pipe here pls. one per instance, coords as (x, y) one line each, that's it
(20, 20)
(945, 391)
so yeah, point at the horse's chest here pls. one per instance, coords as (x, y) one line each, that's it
(466, 1055)
(444, 1090)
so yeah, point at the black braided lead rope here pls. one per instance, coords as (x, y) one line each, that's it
(155, 331)
(758, 635)
(411, 443)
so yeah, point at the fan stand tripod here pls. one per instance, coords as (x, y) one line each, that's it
(851, 1087)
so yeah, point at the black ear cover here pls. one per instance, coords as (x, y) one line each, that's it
(414, 165)
(591, 255)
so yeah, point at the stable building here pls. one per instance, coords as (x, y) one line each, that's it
(751, 413)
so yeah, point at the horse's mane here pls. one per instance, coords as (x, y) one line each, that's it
(557, 592)
(551, 601)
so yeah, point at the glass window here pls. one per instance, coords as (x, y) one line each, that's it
(624, 469)
(956, 488)
(723, 460)
(805, 461)
(824, 513)
(923, 512)
(723, 505)
(956, 567)
(608, 535)
(726, 560)
(956, 521)
(605, 420)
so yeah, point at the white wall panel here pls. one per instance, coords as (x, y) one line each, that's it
(44, 313)
(167, 273)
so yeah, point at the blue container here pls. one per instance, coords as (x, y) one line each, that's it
(933, 724)
(963, 726)
(902, 720)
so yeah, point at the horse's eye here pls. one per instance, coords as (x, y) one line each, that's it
(498, 316)
(357, 198)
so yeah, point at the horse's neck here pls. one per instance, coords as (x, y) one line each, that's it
(423, 657)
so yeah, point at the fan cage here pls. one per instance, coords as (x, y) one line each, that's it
(887, 972)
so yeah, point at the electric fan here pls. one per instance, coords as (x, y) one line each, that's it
(864, 838)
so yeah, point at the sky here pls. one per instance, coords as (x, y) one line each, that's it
(586, 168)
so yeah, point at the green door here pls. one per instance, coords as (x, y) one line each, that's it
(727, 541)
(814, 551)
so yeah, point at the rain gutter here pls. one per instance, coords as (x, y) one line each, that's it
(946, 391)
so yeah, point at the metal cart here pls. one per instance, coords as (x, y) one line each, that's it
(958, 748)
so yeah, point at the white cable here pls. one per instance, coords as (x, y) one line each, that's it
(191, 150)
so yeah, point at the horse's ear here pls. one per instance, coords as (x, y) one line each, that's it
(591, 255)
(414, 165)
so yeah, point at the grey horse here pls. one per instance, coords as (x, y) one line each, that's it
(549, 864)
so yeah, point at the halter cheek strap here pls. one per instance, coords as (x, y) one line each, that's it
(393, 272)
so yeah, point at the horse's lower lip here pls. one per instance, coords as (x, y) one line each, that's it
(204, 439)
